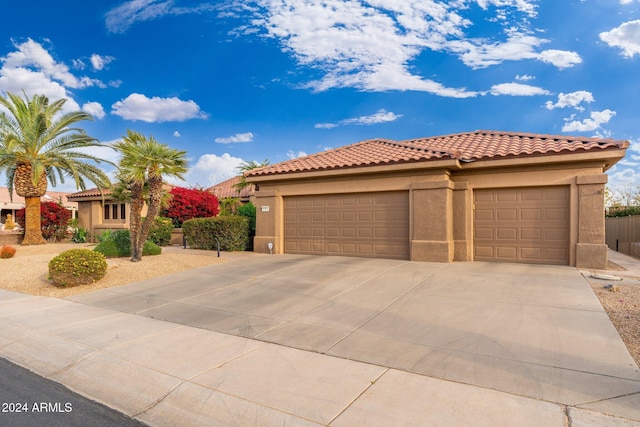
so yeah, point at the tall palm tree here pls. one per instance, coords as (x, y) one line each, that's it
(38, 143)
(245, 167)
(143, 164)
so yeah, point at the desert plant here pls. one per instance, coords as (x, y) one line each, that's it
(39, 141)
(119, 245)
(188, 203)
(77, 267)
(203, 233)
(80, 235)
(7, 251)
(9, 224)
(144, 162)
(160, 232)
(103, 235)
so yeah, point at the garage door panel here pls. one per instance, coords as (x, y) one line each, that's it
(369, 225)
(507, 234)
(522, 225)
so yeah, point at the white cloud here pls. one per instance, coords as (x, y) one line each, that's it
(517, 89)
(211, 169)
(363, 45)
(560, 58)
(177, 134)
(596, 119)
(626, 37)
(121, 18)
(524, 78)
(294, 155)
(381, 116)
(99, 62)
(238, 137)
(95, 109)
(31, 55)
(370, 45)
(573, 99)
(32, 69)
(154, 110)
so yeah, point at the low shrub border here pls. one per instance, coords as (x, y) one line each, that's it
(203, 233)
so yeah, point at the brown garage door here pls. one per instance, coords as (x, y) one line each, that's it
(364, 225)
(529, 225)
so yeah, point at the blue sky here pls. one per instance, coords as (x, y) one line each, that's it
(274, 79)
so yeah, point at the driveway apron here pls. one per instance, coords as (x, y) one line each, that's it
(530, 330)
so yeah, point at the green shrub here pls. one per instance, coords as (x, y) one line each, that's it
(248, 210)
(119, 245)
(231, 231)
(623, 211)
(160, 232)
(77, 267)
(103, 235)
(80, 235)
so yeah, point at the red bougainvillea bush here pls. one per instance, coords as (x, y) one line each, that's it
(54, 220)
(188, 203)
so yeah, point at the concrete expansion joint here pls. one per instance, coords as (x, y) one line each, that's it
(348, 405)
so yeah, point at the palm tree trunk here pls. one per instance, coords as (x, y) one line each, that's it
(153, 209)
(32, 222)
(135, 222)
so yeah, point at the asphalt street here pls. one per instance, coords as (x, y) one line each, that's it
(28, 400)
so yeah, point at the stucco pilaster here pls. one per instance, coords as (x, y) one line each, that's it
(591, 250)
(462, 221)
(269, 217)
(432, 225)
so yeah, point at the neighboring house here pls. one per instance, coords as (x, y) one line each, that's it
(227, 189)
(98, 211)
(10, 205)
(477, 196)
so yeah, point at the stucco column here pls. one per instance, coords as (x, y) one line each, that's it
(269, 217)
(432, 223)
(462, 221)
(591, 250)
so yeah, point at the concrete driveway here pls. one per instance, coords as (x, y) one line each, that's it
(535, 331)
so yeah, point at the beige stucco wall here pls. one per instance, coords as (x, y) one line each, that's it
(91, 217)
(441, 201)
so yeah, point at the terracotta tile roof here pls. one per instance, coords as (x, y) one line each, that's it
(92, 192)
(467, 147)
(226, 189)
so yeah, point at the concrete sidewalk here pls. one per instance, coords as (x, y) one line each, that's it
(488, 373)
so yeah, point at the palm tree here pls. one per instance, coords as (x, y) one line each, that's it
(143, 165)
(245, 167)
(38, 143)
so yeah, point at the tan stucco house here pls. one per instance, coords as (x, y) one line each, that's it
(477, 196)
(98, 211)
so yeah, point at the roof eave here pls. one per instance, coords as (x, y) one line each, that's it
(357, 170)
(609, 157)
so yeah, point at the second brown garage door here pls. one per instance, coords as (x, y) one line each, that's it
(363, 224)
(528, 225)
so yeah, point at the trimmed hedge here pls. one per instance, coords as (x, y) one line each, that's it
(231, 231)
(160, 232)
(118, 245)
(77, 267)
